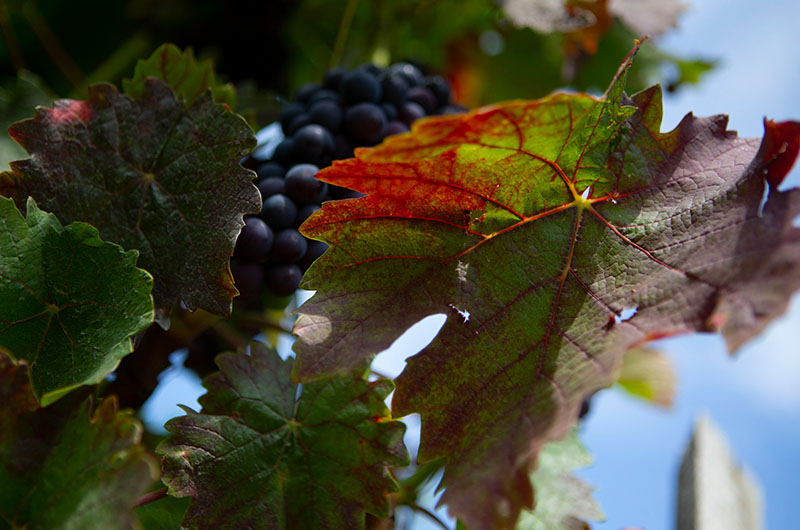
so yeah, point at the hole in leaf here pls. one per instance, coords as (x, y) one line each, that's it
(391, 361)
(625, 314)
(176, 385)
(796, 222)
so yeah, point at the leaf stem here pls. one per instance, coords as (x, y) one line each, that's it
(153, 496)
(344, 30)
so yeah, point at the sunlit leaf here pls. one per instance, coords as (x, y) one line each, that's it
(538, 227)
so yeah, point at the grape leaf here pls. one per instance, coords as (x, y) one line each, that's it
(69, 302)
(150, 174)
(61, 467)
(164, 514)
(187, 77)
(563, 501)
(533, 225)
(648, 374)
(257, 456)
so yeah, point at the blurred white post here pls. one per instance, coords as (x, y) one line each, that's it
(713, 492)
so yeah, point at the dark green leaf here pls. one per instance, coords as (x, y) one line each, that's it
(150, 174)
(69, 302)
(187, 77)
(258, 457)
(68, 468)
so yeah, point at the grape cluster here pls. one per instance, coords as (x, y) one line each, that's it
(324, 122)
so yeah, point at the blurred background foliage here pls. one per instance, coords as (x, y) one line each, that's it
(487, 49)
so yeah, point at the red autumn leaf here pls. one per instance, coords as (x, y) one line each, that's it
(535, 225)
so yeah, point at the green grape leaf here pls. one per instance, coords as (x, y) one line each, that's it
(187, 77)
(68, 467)
(537, 227)
(69, 302)
(648, 374)
(563, 501)
(257, 456)
(150, 174)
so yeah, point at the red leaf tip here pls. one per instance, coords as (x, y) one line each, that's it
(779, 149)
(66, 110)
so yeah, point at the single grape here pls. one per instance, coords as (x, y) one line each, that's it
(279, 211)
(254, 241)
(289, 246)
(409, 72)
(270, 169)
(284, 153)
(333, 78)
(271, 186)
(423, 97)
(394, 88)
(312, 142)
(302, 186)
(304, 92)
(299, 121)
(283, 279)
(359, 86)
(364, 123)
(410, 112)
(326, 113)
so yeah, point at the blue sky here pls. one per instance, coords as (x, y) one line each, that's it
(753, 397)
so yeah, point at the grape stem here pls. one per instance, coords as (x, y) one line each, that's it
(153, 496)
(344, 30)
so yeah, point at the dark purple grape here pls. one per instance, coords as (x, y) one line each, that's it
(299, 121)
(314, 251)
(358, 86)
(328, 114)
(302, 186)
(284, 153)
(440, 88)
(248, 276)
(333, 78)
(270, 186)
(364, 123)
(254, 241)
(283, 279)
(409, 72)
(394, 88)
(289, 246)
(288, 113)
(279, 211)
(304, 213)
(422, 97)
(270, 169)
(394, 127)
(312, 142)
(305, 92)
(410, 112)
